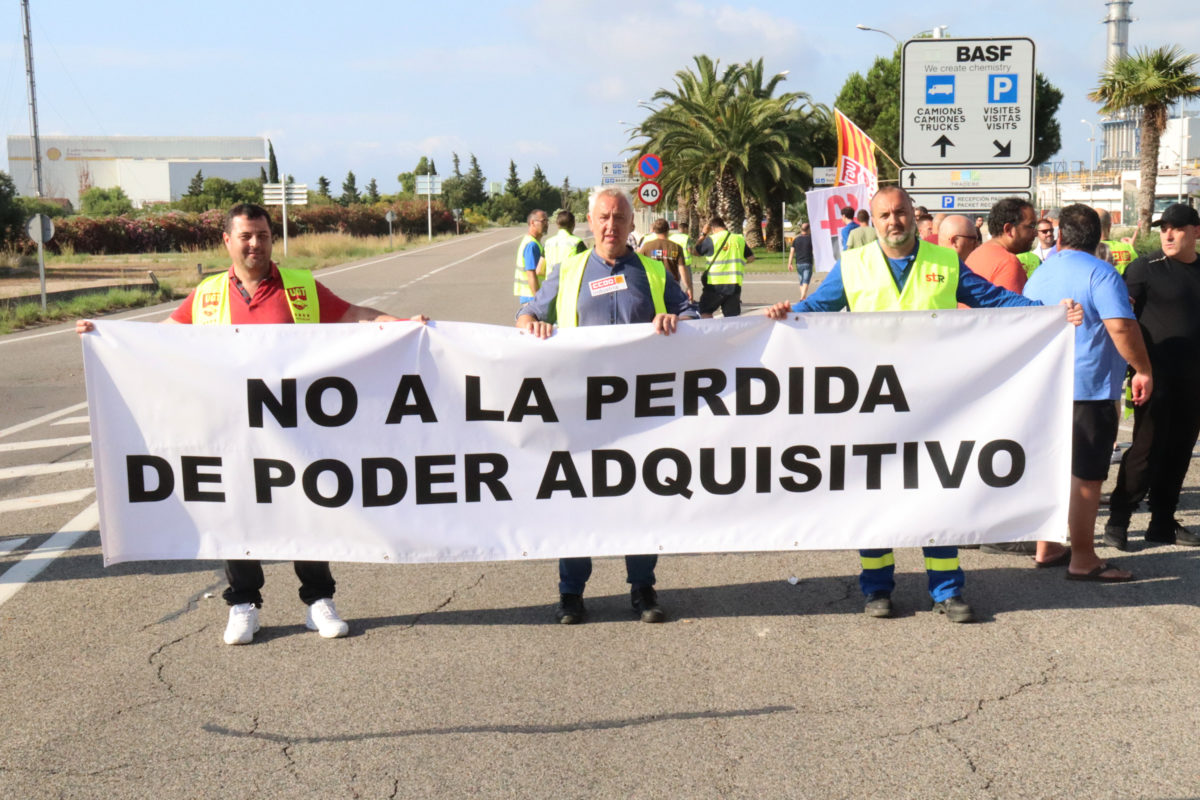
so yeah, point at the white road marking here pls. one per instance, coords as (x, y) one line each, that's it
(8, 545)
(29, 567)
(31, 470)
(72, 421)
(40, 443)
(370, 300)
(326, 273)
(431, 273)
(43, 500)
(35, 422)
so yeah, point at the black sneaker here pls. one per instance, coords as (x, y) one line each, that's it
(645, 603)
(570, 610)
(1116, 535)
(879, 604)
(955, 609)
(1162, 531)
(1171, 533)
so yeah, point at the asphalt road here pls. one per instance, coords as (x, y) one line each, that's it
(456, 683)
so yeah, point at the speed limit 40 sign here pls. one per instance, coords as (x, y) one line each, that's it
(650, 193)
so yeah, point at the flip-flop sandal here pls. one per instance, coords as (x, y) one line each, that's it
(1097, 575)
(1060, 560)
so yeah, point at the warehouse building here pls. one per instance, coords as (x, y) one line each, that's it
(151, 169)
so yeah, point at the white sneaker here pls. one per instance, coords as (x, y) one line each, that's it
(243, 624)
(323, 618)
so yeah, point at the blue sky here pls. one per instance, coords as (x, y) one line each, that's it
(371, 86)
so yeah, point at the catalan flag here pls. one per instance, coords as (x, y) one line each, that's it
(856, 153)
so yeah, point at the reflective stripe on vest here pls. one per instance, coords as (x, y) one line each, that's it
(570, 283)
(520, 282)
(685, 244)
(559, 248)
(1029, 261)
(869, 285)
(878, 562)
(1122, 254)
(210, 303)
(727, 266)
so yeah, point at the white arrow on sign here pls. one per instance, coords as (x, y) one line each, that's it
(937, 178)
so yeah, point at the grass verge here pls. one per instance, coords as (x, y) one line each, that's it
(26, 314)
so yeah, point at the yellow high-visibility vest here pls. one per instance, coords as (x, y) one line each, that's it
(559, 247)
(1029, 261)
(685, 244)
(210, 302)
(932, 281)
(1123, 254)
(570, 282)
(520, 282)
(727, 266)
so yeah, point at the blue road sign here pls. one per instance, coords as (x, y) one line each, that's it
(1002, 89)
(947, 201)
(939, 90)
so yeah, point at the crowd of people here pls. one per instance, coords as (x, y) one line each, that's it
(1137, 345)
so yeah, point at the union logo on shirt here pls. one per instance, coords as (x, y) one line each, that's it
(209, 301)
(298, 296)
(933, 277)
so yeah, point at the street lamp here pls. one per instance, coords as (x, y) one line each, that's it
(1092, 180)
(862, 27)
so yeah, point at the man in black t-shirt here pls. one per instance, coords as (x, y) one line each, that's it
(1165, 289)
(801, 258)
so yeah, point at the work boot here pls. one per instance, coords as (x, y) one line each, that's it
(570, 610)
(645, 603)
(879, 604)
(955, 609)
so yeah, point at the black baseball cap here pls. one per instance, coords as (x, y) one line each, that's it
(1177, 215)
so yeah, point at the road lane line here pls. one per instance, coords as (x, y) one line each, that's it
(35, 422)
(40, 443)
(431, 273)
(8, 545)
(44, 500)
(31, 470)
(334, 271)
(29, 567)
(72, 421)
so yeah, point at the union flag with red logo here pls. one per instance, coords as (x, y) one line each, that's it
(856, 153)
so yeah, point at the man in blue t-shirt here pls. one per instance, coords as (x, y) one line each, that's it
(848, 225)
(1108, 338)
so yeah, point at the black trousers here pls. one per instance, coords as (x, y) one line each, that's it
(1164, 435)
(246, 581)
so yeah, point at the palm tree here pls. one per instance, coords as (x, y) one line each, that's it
(1149, 80)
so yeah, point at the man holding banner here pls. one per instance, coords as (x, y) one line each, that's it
(611, 284)
(899, 273)
(254, 291)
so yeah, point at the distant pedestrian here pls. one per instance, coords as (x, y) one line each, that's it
(800, 258)
(728, 254)
(865, 232)
(529, 257)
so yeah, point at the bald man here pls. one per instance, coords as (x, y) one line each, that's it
(959, 234)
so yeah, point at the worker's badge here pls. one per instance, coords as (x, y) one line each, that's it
(613, 283)
(298, 297)
(209, 302)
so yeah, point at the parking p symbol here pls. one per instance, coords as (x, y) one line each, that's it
(1002, 88)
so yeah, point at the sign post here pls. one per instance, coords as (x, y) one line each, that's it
(390, 216)
(429, 185)
(283, 194)
(41, 229)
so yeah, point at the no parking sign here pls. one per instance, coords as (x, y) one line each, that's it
(650, 165)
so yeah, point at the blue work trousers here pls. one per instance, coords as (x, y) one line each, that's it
(573, 573)
(941, 565)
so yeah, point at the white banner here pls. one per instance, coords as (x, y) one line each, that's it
(464, 442)
(825, 219)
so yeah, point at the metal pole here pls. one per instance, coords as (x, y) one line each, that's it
(783, 227)
(1179, 199)
(284, 212)
(429, 207)
(33, 121)
(42, 270)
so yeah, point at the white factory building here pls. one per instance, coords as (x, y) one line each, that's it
(151, 169)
